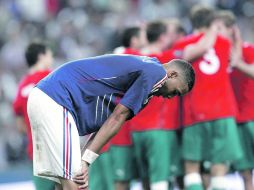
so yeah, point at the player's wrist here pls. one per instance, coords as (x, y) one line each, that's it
(85, 164)
(238, 64)
(89, 156)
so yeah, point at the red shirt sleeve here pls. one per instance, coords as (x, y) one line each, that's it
(17, 105)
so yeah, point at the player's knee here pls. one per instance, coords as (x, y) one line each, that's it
(122, 185)
(68, 185)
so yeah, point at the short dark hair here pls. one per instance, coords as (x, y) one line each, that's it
(154, 30)
(187, 70)
(227, 17)
(128, 34)
(202, 16)
(33, 51)
(180, 29)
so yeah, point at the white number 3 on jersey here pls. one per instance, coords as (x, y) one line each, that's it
(210, 63)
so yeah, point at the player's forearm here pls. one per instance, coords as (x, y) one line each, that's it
(192, 52)
(109, 128)
(198, 49)
(195, 51)
(246, 68)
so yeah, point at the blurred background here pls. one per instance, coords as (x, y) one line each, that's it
(75, 29)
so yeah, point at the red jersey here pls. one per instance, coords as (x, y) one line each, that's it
(123, 137)
(244, 87)
(20, 102)
(160, 113)
(212, 96)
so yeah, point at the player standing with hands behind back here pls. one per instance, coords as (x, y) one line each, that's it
(96, 94)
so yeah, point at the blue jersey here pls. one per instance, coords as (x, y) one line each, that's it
(91, 88)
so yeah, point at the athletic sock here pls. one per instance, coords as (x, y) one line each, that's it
(161, 185)
(193, 181)
(218, 183)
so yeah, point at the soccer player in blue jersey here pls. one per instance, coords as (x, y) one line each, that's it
(94, 95)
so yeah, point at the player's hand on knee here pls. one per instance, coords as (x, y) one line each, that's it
(82, 178)
(84, 187)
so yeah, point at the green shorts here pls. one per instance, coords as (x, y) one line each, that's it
(100, 173)
(123, 165)
(41, 183)
(246, 133)
(215, 141)
(151, 149)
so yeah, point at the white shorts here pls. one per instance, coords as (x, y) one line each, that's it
(56, 143)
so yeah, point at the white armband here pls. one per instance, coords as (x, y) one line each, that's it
(89, 156)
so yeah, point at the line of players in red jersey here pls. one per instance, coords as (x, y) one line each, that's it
(214, 122)
(171, 139)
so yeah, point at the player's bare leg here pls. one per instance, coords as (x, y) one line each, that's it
(122, 185)
(192, 178)
(247, 178)
(218, 172)
(191, 166)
